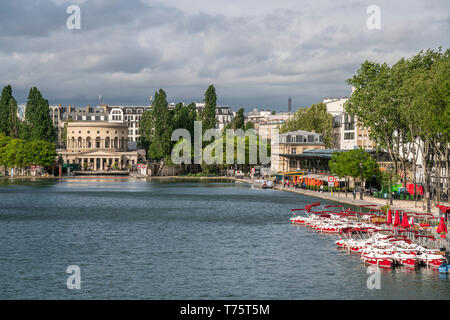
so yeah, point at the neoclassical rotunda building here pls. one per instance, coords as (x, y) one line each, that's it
(99, 146)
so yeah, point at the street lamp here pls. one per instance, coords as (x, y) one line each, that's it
(361, 190)
(390, 167)
(428, 183)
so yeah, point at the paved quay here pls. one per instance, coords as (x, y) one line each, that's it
(405, 205)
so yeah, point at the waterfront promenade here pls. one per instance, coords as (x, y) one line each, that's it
(404, 205)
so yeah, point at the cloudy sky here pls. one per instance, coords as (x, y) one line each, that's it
(257, 53)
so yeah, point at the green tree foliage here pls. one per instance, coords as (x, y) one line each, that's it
(37, 116)
(249, 125)
(348, 164)
(248, 161)
(208, 114)
(238, 121)
(162, 120)
(41, 153)
(17, 153)
(156, 126)
(184, 117)
(314, 119)
(9, 122)
(404, 104)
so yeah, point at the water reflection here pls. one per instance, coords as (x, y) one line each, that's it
(180, 240)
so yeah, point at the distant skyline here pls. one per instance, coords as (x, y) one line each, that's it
(257, 53)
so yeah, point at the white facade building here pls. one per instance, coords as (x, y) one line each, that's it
(346, 133)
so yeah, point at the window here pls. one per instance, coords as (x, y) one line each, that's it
(310, 138)
(349, 135)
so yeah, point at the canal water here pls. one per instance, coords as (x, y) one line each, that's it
(178, 240)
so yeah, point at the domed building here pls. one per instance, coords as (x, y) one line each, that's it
(99, 146)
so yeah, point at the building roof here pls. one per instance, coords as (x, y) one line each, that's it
(320, 153)
(97, 124)
(302, 132)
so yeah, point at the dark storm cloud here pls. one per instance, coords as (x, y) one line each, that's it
(30, 18)
(255, 52)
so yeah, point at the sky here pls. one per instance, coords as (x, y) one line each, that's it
(257, 53)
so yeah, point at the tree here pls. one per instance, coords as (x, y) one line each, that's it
(355, 163)
(162, 121)
(238, 121)
(184, 117)
(208, 114)
(406, 110)
(314, 119)
(9, 122)
(37, 115)
(16, 154)
(41, 153)
(249, 125)
(4, 141)
(338, 166)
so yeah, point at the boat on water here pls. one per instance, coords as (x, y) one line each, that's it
(376, 245)
(263, 184)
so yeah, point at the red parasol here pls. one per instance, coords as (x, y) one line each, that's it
(389, 217)
(397, 219)
(405, 222)
(411, 222)
(444, 209)
(442, 228)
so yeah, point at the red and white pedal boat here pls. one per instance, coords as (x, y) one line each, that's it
(432, 260)
(380, 260)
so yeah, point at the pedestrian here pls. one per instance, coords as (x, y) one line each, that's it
(354, 194)
(321, 188)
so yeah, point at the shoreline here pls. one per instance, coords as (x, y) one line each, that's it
(405, 205)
